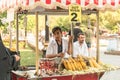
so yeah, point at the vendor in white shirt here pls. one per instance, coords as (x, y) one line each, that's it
(80, 46)
(58, 46)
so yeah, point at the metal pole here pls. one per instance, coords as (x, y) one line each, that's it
(36, 29)
(97, 36)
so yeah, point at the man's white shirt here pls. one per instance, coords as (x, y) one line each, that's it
(53, 47)
(80, 49)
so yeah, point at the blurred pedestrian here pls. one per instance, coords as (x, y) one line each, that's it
(88, 39)
(76, 30)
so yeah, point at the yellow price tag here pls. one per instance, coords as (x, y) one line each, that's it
(75, 13)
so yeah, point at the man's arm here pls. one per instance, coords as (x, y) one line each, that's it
(51, 55)
(54, 55)
(70, 45)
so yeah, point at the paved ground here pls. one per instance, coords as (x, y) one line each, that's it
(109, 59)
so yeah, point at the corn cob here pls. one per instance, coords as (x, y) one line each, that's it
(99, 62)
(83, 65)
(65, 64)
(78, 64)
(80, 58)
(96, 65)
(69, 65)
(90, 62)
(73, 65)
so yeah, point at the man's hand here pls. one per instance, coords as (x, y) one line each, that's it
(71, 38)
(17, 57)
(60, 55)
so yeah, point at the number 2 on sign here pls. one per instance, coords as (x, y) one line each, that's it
(74, 16)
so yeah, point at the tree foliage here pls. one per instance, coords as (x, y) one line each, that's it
(109, 20)
(3, 22)
(64, 23)
(2, 15)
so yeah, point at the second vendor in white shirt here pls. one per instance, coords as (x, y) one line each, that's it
(80, 46)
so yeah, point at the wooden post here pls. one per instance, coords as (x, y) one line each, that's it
(25, 26)
(72, 39)
(89, 22)
(17, 33)
(37, 56)
(17, 37)
(10, 33)
(97, 36)
(46, 29)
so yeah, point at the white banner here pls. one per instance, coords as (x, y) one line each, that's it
(10, 15)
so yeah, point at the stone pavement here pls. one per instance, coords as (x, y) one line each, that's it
(109, 59)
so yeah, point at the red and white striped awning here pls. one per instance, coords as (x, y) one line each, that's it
(51, 4)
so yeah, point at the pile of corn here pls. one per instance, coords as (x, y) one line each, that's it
(80, 63)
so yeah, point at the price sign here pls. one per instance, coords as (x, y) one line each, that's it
(75, 13)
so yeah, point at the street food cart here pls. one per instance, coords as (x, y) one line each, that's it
(87, 76)
(55, 7)
(49, 71)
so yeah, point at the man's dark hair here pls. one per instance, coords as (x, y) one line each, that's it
(80, 34)
(56, 28)
(77, 24)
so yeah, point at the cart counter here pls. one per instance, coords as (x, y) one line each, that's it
(18, 75)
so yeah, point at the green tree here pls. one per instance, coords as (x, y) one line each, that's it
(64, 23)
(2, 15)
(3, 22)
